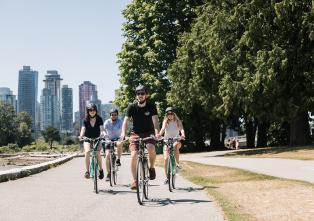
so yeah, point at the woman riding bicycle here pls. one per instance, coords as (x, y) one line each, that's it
(172, 127)
(92, 128)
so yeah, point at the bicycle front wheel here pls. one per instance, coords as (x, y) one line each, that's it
(146, 178)
(95, 175)
(173, 172)
(140, 181)
(169, 174)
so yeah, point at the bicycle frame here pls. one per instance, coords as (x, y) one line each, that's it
(112, 161)
(142, 174)
(93, 168)
(171, 162)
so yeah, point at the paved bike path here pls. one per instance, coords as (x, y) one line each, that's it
(283, 168)
(62, 193)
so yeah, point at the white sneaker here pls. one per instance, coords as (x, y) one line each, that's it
(179, 167)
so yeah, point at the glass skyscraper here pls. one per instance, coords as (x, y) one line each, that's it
(67, 109)
(50, 101)
(86, 91)
(27, 92)
(6, 95)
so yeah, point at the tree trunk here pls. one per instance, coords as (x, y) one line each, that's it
(50, 143)
(223, 134)
(250, 133)
(262, 134)
(215, 142)
(300, 130)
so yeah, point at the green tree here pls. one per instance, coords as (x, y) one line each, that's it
(51, 134)
(8, 124)
(151, 32)
(24, 122)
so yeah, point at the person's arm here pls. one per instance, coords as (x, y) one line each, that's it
(181, 129)
(124, 127)
(156, 124)
(102, 131)
(82, 133)
(162, 131)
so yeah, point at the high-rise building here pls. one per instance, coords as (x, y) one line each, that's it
(6, 95)
(27, 92)
(67, 109)
(86, 91)
(51, 101)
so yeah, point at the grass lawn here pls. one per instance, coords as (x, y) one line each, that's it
(246, 196)
(298, 153)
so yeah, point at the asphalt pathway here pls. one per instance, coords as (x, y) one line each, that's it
(284, 168)
(62, 193)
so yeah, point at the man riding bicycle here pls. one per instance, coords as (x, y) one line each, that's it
(145, 123)
(113, 127)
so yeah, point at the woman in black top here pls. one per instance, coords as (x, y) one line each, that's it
(93, 127)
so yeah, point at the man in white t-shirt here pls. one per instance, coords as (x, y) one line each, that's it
(112, 127)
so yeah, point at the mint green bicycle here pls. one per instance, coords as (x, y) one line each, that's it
(171, 168)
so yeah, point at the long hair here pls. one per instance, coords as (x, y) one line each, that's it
(87, 116)
(175, 119)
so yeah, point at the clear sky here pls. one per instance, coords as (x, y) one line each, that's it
(78, 38)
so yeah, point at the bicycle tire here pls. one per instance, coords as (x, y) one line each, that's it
(95, 176)
(115, 172)
(146, 178)
(140, 181)
(110, 170)
(169, 173)
(173, 172)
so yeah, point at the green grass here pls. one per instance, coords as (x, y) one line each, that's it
(211, 177)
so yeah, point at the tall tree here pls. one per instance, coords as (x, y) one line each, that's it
(151, 36)
(24, 122)
(8, 124)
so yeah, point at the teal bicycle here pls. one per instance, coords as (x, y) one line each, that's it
(171, 168)
(93, 167)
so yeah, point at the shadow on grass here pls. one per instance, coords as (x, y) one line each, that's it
(266, 150)
(193, 189)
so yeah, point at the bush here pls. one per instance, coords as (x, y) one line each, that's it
(4, 149)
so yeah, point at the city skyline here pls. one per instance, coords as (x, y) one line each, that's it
(80, 41)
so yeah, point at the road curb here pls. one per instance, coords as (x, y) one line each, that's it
(17, 173)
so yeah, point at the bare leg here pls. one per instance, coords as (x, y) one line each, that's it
(107, 160)
(119, 149)
(87, 155)
(133, 163)
(151, 155)
(177, 147)
(99, 159)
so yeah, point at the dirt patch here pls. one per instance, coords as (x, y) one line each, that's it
(17, 161)
(249, 196)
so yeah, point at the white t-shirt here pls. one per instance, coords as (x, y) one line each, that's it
(172, 129)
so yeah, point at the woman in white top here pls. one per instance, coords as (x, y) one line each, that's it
(172, 127)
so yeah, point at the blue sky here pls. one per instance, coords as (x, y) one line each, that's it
(78, 38)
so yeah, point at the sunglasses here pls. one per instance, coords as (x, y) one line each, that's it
(113, 115)
(140, 93)
(91, 110)
(169, 113)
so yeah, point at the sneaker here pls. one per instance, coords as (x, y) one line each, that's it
(166, 181)
(118, 162)
(101, 174)
(86, 175)
(108, 177)
(179, 167)
(152, 173)
(133, 185)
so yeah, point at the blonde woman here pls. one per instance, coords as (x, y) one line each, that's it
(172, 127)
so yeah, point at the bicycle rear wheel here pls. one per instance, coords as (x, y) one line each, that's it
(140, 181)
(95, 175)
(146, 178)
